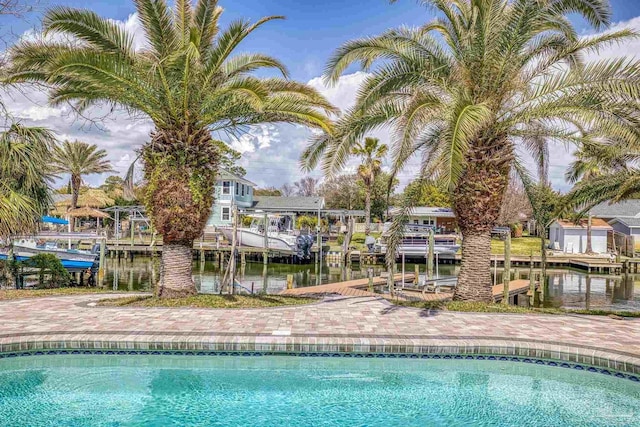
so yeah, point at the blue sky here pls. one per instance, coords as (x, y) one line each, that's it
(304, 42)
(312, 30)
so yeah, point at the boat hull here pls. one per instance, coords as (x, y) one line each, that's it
(256, 240)
(70, 260)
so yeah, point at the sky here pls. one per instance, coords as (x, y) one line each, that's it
(304, 41)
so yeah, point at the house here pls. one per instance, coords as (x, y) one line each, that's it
(609, 211)
(299, 205)
(443, 219)
(570, 237)
(626, 226)
(231, 190)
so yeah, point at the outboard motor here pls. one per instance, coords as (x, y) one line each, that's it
(303, 246)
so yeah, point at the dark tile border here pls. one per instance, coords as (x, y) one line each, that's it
(529, 360)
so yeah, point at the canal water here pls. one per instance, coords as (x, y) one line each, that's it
(565, 288)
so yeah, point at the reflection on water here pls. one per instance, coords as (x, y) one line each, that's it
(568, 288)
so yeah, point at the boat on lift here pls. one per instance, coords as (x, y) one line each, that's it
(280, 234)
(415, 241)
(24, 249)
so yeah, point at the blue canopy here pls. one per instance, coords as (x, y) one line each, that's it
(53, 220)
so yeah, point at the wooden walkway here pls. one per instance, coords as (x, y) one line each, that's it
(357, 288)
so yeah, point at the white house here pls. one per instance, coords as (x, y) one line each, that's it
(572, 238)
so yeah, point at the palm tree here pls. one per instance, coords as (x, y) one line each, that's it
(371, 153)
(593, 161)
(187, 80)
(25, 178)
(77, 159)
(473, 89)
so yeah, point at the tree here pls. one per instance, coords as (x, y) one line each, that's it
(25, 178)
(428, 193)
(370, 152)
(547, 205)
(190, 82)
(306, 187)
(77, 159)
(383, 188)
(341, 192)
(287, 190)
(465, 88)
(515, 205)
(267, 191)
(593, 161)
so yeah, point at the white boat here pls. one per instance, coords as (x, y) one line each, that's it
(415, 241)
(280, 235)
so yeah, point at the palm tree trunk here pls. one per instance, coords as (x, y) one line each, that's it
(589, 250)
(176, 280)
(474, 280)
(477, 201)
(76, 181)
(367, 210)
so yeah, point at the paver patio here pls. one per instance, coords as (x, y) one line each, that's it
(339, 325)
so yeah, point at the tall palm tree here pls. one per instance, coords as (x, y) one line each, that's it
(474, 89)
(371, 153)
(78, 159)
(25, 178)
(188, 80)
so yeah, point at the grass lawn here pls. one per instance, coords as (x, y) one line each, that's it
(521, 246)
(9, 294)
(481, 307)
(208, 301)
(357, 241)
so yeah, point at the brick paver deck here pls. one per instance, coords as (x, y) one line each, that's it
(343, 325)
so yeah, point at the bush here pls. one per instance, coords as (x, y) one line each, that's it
(49, 264)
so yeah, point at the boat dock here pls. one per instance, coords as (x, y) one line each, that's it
(361, 288)
(590, 264)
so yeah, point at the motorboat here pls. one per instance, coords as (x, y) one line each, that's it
(25, 248)
(415, 241)
(280, 234)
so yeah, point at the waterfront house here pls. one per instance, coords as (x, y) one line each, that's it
(623, 216)
(233, 190)
(570, 237)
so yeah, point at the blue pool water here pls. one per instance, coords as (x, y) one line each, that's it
(293, 391)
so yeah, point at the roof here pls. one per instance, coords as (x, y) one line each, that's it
(226, 175)
(427, 211)
(629, 222)
(625, 209)
(596, 223)
(294, 203)
(60, 198)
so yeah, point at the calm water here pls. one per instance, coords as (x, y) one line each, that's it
(568, 288)
(94, 391)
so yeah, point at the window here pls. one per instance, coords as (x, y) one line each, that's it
(416, 222)
(226, 214)
(243, 190)
(237, 185)
(226, 187)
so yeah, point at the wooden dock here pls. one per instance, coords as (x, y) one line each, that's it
(358, 288)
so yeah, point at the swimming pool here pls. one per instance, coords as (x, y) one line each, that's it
(123, 390)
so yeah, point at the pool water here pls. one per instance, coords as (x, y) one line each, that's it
(99, 390)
